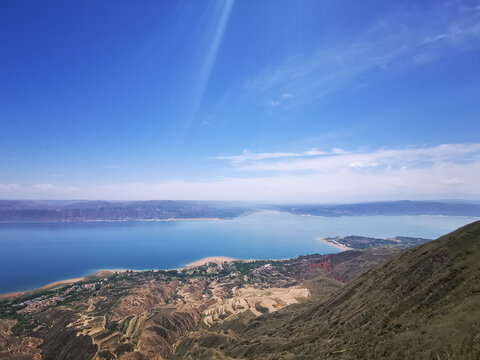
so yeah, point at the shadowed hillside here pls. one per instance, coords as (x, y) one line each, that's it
(421, 304)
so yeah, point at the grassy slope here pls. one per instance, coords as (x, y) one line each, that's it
(421, 304)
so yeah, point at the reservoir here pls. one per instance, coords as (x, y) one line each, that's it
(33, 255)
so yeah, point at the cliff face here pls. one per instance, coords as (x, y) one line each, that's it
(421, 304)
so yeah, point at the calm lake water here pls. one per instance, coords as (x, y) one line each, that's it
(32, 255)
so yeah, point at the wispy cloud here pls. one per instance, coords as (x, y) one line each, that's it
(402, 39)
(249, 156)
(436, 172)
(339, 160)
(6, 188)
(41, 191)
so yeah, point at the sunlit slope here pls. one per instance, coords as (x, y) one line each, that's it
(421, 304)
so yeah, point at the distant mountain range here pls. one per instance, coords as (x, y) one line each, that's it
(452, 208)
(80, 211)
(12, 211)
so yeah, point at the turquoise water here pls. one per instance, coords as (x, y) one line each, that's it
(33, 255)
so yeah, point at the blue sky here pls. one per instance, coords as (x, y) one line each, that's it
(308, 101)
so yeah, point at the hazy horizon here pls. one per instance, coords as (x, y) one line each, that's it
(269, 101)
(453, 200)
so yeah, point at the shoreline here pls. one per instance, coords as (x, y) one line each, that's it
(334, 244)
(107, 272)
(100, 273)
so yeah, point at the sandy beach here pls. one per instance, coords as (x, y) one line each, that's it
(100, 273)
(211, 259)
(11, 295)
(220, 260)
(334, 244)
(53, 284)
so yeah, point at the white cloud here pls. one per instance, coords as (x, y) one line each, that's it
(437, 172)
(44, 191)
(340, 160)
(359, 164)
(249, 156)
(9, 187)
(339, 151)
(450, 181)
(328, 187)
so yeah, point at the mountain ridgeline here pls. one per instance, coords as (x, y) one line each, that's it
(405, 207)
(25, 211)
(12, 211)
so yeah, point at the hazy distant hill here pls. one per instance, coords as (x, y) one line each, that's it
(453, 208)
(77, 211)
